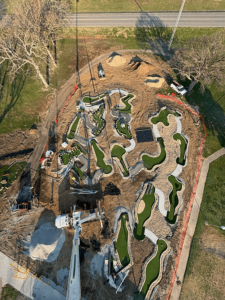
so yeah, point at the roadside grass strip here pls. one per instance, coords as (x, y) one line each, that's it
(177, 186)
(127, 108)
(10, 174)
(183, 146)
(71, 135)
(139, 229)
(67, 156)
(162, 117)
(121, 244)
(152, 270)
(100, 158)
(123, 131)
(118, 151)
(150, 162)
(92, 99)
(97, 116)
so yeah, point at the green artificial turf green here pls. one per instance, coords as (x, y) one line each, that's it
(121, 244)
(81, 148)
(79, 172)
(97, 116)
(123, 130)
(100, 158)
(183, 146)
(71, 135)
(162, 117)
(14, 171)
(67, 156)
(92, 99)
(150, 162)
(152, 270)
(149, 199)
(177, 186)
(118, 151)
(127, 108)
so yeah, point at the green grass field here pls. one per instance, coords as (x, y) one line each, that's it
(212, 207)
(150, 162)
(121, 244)
(152, 270)
(13, 172)
(156, 5)
(183, 146)
(100, 158)
(149, 200)
(9, 293)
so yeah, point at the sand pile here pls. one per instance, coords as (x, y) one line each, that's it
(116, 60)
(141, 207)
(46, 243)
(143, 68)
(154, 81)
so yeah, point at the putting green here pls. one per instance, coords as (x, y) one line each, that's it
(152, 270)
(150, 162)
(124, 131)
(73, 128)
(121, 244)
(127, 108)
(162, 117)
(183, 146)
(139, 229)
(97, 116)
(118, 151)
(177, 186)
(100, 158)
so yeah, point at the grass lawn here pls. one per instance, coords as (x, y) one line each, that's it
(150, 162)
(14, 171)
(149, 199)
(152, 270)
(123, 130)
(91, 99)
(100, 158)
(162, 117)
(121, 244)
(213, 208)
(118, 151)
(79, 172)
(183, 147)
(156, 5)
(97, 116)
(8, 293)
(177, 186)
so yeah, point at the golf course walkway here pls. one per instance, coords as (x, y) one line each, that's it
(175, 294)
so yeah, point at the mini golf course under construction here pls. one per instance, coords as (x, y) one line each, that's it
(130, 154)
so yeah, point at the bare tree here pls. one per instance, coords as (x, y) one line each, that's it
(26, 41)
(202, 59)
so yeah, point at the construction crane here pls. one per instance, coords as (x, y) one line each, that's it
(68, 220)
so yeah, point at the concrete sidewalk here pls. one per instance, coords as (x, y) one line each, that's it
(175, 295)
(30, 287)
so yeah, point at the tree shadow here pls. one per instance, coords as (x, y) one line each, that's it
(10, 89)
(152, 34)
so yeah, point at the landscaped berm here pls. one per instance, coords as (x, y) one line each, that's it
(149, 181)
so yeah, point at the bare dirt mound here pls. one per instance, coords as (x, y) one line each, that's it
(140, 66)
(116, 60)
(154, 81)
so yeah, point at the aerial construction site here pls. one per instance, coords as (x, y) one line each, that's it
(101, 215)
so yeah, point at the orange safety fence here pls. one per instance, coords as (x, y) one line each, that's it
(193, 192)
(70, 96)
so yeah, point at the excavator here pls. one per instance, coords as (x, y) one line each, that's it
(74, 220)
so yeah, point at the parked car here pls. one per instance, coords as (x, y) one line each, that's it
(178, 88)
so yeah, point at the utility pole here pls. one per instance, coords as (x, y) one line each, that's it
(178, 19)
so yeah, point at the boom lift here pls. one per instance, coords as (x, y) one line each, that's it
(74, 219)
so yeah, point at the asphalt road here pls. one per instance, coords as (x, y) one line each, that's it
(188, 19)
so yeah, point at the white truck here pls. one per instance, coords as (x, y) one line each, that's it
(178, 88)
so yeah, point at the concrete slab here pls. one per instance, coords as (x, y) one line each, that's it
(31, 286)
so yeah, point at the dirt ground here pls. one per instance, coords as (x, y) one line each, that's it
(55, 197)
